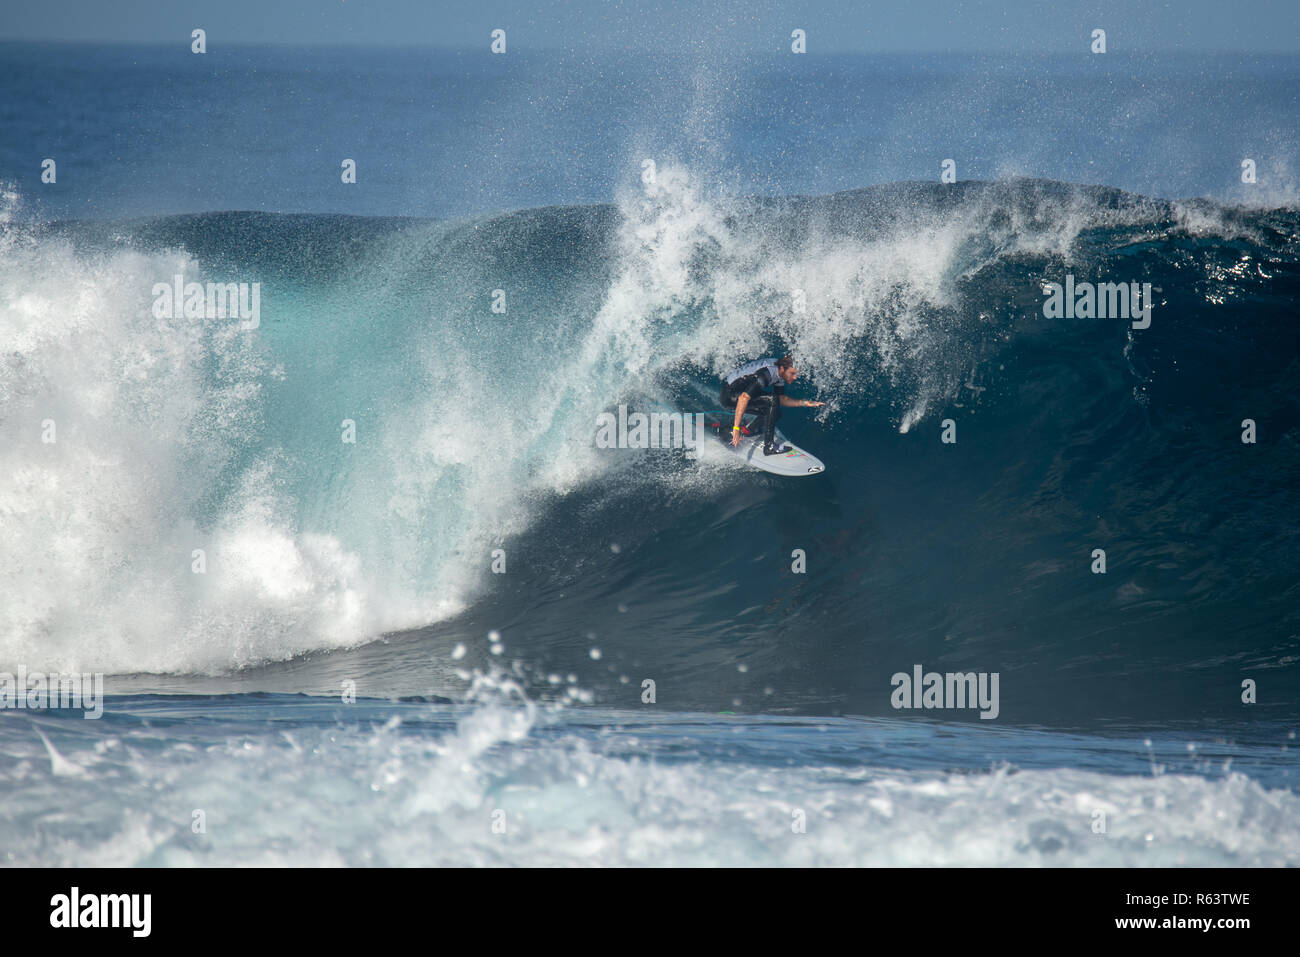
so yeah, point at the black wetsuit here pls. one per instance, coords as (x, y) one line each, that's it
(753, 379)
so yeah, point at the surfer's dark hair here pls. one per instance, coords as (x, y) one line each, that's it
(785, 362)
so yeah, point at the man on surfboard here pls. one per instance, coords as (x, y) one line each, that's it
(744, 389)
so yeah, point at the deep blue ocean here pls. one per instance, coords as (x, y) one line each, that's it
(432, 623)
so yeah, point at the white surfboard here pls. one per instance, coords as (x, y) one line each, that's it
(792, 462)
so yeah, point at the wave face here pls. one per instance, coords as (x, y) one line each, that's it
(474, 433)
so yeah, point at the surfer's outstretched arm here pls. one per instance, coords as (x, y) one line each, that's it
(789, 403)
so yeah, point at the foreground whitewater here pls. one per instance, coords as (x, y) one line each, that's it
(301, 781)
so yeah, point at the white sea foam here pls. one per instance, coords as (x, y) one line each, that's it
(120, 431)
(359, 795)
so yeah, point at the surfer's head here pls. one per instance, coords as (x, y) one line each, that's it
(785, 366)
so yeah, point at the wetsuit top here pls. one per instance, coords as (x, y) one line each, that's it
(756, 377)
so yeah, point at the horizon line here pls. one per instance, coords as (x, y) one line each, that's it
(623, 49)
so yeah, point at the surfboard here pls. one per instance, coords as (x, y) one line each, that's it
(793, 462)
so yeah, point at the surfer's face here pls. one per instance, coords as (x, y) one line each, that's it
(789, 374)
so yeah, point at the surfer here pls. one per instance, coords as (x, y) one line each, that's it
(744, 389)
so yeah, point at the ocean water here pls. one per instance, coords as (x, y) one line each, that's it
(446, 633)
